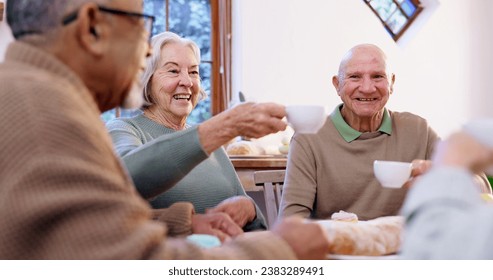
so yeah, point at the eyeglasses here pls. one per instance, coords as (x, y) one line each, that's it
(148, 19)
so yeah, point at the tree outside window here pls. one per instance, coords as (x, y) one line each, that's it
(190, 19)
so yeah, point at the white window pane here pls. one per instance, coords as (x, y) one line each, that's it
(384, 8)
(397, 22)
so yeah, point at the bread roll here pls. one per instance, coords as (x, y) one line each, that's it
(381, 236)
(244, 148)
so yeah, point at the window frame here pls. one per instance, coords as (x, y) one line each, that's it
(410, 20)
(221, 33)
(2, 7)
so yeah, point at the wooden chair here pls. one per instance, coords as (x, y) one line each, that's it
(272, 182)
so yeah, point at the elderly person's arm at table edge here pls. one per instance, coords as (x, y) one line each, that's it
(154, 174)
(420, 167)
(446, 219)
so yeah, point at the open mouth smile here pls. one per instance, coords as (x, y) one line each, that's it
(182, 97)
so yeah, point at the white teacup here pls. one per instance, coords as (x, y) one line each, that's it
(392, 174)
(482, 131)
(306, 118)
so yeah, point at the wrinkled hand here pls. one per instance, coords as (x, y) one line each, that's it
(308, 240)
(217, 224)
(419, 167)
(255, 120)
(240, 208)
(462, 150)
(251, 120)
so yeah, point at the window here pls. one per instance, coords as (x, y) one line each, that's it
(1, 10)
(395, 15)
(208, 23)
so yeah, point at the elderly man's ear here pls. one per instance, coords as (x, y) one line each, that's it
(91, 30)
(335, 82)
(94, 32)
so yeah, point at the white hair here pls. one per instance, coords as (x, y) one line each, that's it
(158, 43)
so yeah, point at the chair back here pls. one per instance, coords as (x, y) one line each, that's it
(272, 182)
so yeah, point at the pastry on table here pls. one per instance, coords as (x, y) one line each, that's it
(377, 237)
(244, 148)
(344, 216)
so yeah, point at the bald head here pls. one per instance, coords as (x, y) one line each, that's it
(26, 17)
(362, 49)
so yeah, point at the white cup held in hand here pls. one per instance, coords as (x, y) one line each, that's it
(392, 174)
(306, 118)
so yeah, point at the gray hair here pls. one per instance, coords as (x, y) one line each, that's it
(39, 17)
(158, 43)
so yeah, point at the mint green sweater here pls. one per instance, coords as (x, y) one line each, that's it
(169, 166)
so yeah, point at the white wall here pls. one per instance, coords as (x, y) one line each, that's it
(287, 51)
(5, 35)
(480, 95)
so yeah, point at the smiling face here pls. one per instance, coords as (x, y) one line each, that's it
(364, 84)
(176, 84)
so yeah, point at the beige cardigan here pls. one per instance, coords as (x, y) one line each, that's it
(63, 192)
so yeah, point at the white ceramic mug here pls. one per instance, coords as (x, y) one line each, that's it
(392, 174)
(306, 118)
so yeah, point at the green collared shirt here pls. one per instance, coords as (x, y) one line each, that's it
(350, 134)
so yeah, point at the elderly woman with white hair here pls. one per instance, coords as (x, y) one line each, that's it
(172, 89)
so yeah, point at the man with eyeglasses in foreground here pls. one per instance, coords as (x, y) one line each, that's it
(63, 192)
